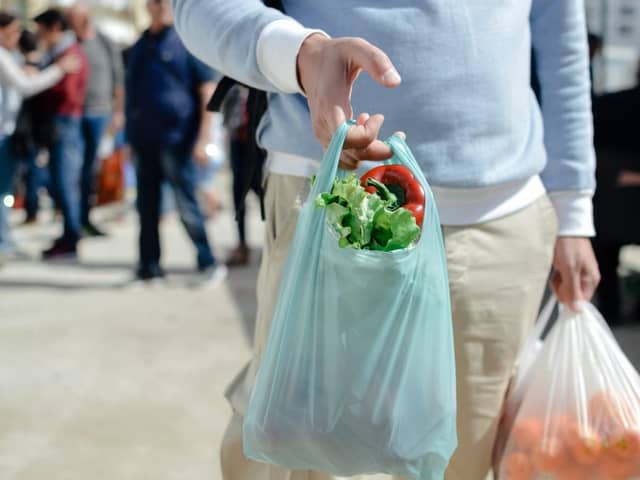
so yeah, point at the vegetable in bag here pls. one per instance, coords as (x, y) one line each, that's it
(370, 221)
(396, 184)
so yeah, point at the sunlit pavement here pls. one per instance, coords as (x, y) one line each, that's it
(103, 381)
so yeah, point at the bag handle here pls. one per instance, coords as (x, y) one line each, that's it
(402, 155)
(329, 168)
(545, 317)
(529, 350)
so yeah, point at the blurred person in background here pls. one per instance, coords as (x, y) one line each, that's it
(168, 128)
(16, 83)
(104, 102)
(35, 173)
(236, 121)
(60, 111)
(206, 173)
(616, 117)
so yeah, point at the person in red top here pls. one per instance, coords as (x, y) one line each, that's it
(61, 111)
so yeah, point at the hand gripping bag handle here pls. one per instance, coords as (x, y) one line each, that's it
(329, 169)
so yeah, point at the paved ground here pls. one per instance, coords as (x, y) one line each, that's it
(102, 382)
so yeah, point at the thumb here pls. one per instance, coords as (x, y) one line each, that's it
(371, 59)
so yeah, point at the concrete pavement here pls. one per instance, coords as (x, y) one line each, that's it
(103, 382)
(99, 381)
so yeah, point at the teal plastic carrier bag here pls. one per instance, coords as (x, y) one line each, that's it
(358, 374)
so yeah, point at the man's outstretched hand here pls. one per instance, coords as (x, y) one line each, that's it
(327, 69)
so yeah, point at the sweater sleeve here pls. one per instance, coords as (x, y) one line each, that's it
(559, 38)
(241, 39)
(27, 85)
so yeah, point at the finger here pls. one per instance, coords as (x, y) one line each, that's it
(567, 288)
(349, 160)
(561, 289)
(575, 290)
(372, 60)
(361, 136)
(362, 118)
(347, 165)
(555, 282)
(376, 151)
(589, 282)
(402, 135)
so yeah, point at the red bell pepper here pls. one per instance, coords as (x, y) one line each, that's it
(397, 183)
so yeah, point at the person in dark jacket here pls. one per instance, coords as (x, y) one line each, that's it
(167, 90)
(61, 108)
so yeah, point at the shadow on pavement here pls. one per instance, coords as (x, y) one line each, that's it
(53, 285)
(98, 266)
(242, 286)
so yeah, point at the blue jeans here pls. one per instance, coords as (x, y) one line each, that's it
(155, 165)
(8, 166)
(65, 165)
(93, 127)
(35, 177)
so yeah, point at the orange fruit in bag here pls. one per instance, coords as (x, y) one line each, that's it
(573, 472)
(551, 456)
(516, 466)
(562, 425)
(585, 445)
(612, 468)
(626, 444)
(527, 433)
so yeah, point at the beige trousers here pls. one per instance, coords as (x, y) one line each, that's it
(497, 274)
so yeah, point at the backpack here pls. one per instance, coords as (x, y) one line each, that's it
(256, 106)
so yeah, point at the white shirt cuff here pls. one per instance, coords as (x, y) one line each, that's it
(277, 52)
(575, 213)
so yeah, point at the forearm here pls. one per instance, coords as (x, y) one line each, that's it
(28, 85)
(249, 42)
(118, 99)
(560, 45)
(206, 117)
(224, 35)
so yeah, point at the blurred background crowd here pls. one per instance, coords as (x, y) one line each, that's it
(100, 103)
(70, 141)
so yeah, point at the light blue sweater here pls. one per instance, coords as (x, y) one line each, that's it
(465, 100)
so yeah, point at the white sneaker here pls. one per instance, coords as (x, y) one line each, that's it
(210, 277)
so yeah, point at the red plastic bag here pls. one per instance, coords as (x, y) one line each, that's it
(110, 181)
(574, 413)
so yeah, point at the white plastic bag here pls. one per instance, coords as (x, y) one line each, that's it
(578, 415)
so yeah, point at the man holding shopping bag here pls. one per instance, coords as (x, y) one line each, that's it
(513, 201)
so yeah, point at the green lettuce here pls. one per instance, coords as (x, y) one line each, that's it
(363, 220)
